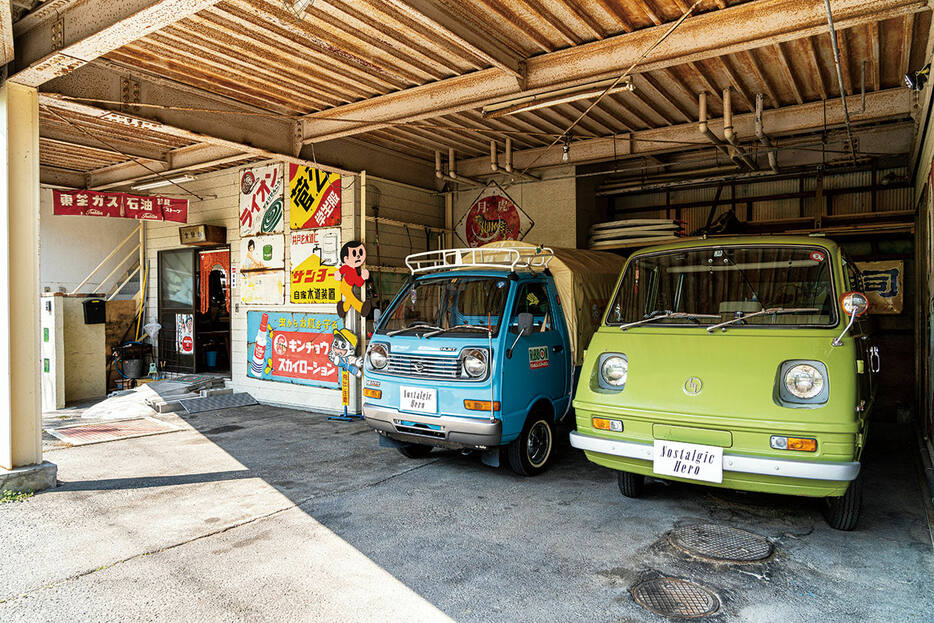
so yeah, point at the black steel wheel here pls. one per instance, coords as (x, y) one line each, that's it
(530, 452)
(631, 485)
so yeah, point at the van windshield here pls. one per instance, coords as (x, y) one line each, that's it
(452, 305)
(711, 285)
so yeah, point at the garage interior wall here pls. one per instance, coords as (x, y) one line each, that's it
(221, 207)
(71, 246)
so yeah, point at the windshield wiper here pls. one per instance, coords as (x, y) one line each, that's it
(663, 314)
(413, 328)
(763, 312)
(460, 326)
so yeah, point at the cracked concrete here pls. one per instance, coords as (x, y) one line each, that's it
(259, 513)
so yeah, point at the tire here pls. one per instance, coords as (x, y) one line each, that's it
(842, 512)
(630, 485)
(530, 452)
(415, 451)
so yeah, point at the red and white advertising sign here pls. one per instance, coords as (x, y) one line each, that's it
(118, 205)
(493, 216)
(303, 355)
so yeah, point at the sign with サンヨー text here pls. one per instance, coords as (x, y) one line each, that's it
(314, 198)
(293, 348)
(312, 277)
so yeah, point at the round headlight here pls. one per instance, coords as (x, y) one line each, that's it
(378, 356)
(475, 362)
(614, 370)
(804, 381)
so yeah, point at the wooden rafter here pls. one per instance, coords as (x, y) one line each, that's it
(844, 41)
(908, 28)
(876, 55)
(810, 49)
(648, 10)
(785, 66)
(750, 56)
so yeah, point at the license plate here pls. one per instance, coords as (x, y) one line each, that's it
(688, 460)
(421, 399)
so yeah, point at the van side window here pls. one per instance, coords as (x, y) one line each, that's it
(532, 298)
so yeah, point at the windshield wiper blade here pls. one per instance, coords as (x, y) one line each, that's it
(763, 312)
(460, 326)
(413, 328)
(667, 314)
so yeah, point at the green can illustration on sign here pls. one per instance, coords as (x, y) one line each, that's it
(538, 357)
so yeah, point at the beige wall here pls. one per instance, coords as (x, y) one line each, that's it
(85, 353)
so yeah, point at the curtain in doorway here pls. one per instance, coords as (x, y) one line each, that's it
(214, 260)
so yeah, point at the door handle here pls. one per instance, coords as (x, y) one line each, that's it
(875, 361)
(558, 348)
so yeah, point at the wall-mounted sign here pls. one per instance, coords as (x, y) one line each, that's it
(262, 253)
(293, 347)
(261, 192)
(314, 198)
(313, 255)
(202, 235)
(262, 287)
(493, 216)
(884, 285)
(184, 334)
(118, 205)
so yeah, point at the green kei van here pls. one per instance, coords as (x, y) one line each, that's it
(739, 362)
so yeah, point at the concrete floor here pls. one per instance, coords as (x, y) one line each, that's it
(265, 514)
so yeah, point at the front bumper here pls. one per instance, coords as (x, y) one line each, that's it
(739, 463)
(443, 431)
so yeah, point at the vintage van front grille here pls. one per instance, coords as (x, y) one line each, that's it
(417, 366)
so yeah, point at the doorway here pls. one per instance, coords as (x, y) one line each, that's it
(194, 310)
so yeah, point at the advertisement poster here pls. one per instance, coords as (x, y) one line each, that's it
(262, 287)
(491, 217)
(184, 334)
(118, 205)
(262, 253)
(314, 198)
(314, 258)
(293, 347)
(261, 200)
(885, 286)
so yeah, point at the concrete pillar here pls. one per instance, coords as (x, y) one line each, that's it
(20, 410)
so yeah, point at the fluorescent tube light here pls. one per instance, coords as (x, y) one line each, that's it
(555, 97)
(161, 183)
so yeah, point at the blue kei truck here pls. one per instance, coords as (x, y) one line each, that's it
(478, 351)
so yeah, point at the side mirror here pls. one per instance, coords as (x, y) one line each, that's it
(525, 322)
(855, 304)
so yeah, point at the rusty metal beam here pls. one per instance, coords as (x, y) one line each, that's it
(584, 17)
(185, 159)
(85, 144)
(810, 50)
(611, 9)
(648, 10)
(91, 29)
(455, 26)
(875, 54)
(726, 31)
(789, 120)
(60, 178)
(750, 57)
(908, 29)
(785, 66)
(845, 61)
(544, 16)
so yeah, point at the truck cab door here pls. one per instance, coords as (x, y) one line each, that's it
(539, 362)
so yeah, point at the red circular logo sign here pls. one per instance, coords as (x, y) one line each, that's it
(280, 344)
(490, 219)
(187, 344)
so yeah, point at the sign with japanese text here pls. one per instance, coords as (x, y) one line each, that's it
(184, 334)
(261, 200)
(314, 198)
(118, 205)
(312, 276)
(493, 216)
(293, 347)
(262, 253)
(884, 286)
(262, 287)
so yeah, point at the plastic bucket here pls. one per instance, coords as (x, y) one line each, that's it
(210, 358)
(133, 368)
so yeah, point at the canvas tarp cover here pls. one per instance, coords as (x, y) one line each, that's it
(585, 282)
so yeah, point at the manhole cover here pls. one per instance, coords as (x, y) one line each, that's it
(721, 543)
(672, 597)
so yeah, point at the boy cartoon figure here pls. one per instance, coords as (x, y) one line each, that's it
(351, 275)
(342, 353)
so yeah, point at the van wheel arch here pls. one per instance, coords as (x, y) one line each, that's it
(531, 452)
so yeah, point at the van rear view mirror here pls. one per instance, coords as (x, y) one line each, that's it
(524, 322)
(855, 304)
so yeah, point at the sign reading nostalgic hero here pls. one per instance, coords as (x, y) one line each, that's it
(493, 216)
(261, 191)
(314, 198)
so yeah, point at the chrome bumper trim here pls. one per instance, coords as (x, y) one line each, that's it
(811, 470)
(468, 432)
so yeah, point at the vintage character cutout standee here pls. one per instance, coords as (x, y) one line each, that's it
(343, 352)
(352, 275)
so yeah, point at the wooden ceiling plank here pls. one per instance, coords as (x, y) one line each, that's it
(875, 55)
(648, 10)
(844, 41)
(908, 28)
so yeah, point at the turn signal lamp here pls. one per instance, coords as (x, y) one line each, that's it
(373, 393)
(605, 424)
(801, 444)
(480, 405)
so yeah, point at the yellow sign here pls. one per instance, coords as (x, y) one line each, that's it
(314, 198)
(313, 283)
(345, 387)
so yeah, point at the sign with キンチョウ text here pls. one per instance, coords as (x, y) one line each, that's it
(292, 347)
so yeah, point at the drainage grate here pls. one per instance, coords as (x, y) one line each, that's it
(213, 403)
(84, 434)
(673, 597)
(721, 543)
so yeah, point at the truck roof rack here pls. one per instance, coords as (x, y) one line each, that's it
(513, 258)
